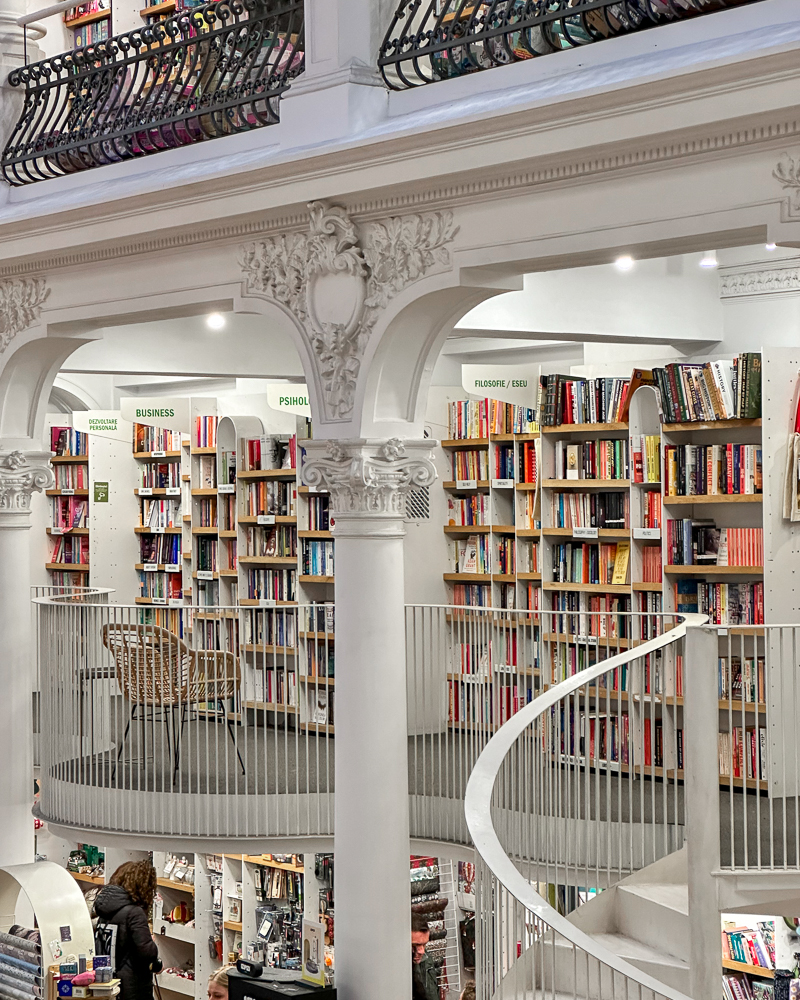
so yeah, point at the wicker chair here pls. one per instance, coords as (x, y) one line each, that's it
(157, 670)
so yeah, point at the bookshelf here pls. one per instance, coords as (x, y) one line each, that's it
(68, 533)
(90, 22)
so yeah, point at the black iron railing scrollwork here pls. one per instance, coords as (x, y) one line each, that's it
(211, 71)
(430, 40)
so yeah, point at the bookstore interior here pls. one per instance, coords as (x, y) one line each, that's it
(638, 466)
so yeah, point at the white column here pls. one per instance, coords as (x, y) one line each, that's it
(20, 476)
(368, 481)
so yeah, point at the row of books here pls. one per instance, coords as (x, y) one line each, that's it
(470, 464)
(472, 510)
(207, 512)
(591, 563)
(205, 432)
(160, 512)
(529, 462)
(320, 659)
(160, 586)
(606, 459)
(205, 552)
(276, 687)
(602, 739)
(704, 470)
(70, 549)
(279, 541)
(317, 558)
(267, 497)
(503, 462)
(507, 555)
(161, 549)
(653, 732)
(739, 987)
(92, 34)
(230, 554)
(646, 458)
(569, 658)
(67, 442)
(161, 475)
(272, 629)
(147, 439)
(701, 543)
(601, 616)
(472, 595)
(226, 473)
(319, 515)
(69, 512)
(71, 477)
(743, 753)
(650, 603)
(508, 418)
(92, 7)
(472, 554)
(724, 603)
(750, 945)
(651, 564)
(662, 674)
(207, 472)
(590, 510)
(651, 509)
(272, 584)
(716, 390)
(485, 705)
(468, 418)
(61, 578)
(739, 682)
(565, 399)
(226, 511)
(268, 452)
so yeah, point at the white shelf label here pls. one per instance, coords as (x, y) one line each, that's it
(173, 491)
(172, 568)
(502, 484)
(466, 484)
(56, 531)
(158, 454)
(205, 574)
(176, 602)
(504, 668)
(265, 603)
(145, 491)
(585, 532)
(159, 531)
(647, 533)
(158, 600)
(265, 519)
(68, 493)
(150, 567)
(226, 488)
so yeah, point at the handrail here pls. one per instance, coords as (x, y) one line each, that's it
(478, 801)
(55, 8)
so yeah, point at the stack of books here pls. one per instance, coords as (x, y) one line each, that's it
(717, 390)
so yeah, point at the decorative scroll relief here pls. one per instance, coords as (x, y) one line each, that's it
(21, 302)
(787, 173)
(19, 481)
(335, 279)
(760, 282)
(371, 477)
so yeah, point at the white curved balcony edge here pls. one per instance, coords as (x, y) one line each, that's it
(480, 822)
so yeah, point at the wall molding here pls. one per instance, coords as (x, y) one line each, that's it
(766, 280)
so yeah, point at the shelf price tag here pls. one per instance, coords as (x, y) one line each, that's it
(176, 602)
(226, 488)
(158, 454)
(68, 493)
(150, 567)
(56, 531)
(172, 568)
(647, 533)
(585, 532)
(160, 530)
(145, 491)
(504, 668)
(466, 484)
(158, 600)
(173, 491)
(205, 574)
(266, 603)
(502, 484)
(265, 519)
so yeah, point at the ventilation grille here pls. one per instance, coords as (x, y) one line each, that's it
(418, 504)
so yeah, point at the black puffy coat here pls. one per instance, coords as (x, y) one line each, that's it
(136, 950)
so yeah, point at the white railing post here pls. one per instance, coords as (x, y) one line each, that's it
(701, 715)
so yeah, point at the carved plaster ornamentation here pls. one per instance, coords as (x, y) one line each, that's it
(21, 302)
(787, 173)
(370, 477)
(760, 282)
(19, 481)
(337, 278)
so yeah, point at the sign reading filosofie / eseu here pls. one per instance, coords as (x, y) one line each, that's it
(289, 398)
(517, 384)
(172, 414)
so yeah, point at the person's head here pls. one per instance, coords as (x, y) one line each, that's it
(420, 936)
(138, 879)
(218, 983)
(468, 993)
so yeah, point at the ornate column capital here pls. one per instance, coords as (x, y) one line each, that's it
(369, 477)
(22, 475)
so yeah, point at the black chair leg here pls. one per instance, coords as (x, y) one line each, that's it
(229, 724)
(131, 717)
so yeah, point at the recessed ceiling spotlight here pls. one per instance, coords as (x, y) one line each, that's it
(771, 247)
(709, 259)
(215, 321)
(624, 263)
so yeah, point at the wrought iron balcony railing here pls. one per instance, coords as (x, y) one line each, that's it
(215, 70)
(430, 40)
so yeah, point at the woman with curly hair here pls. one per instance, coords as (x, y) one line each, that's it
(125, 903)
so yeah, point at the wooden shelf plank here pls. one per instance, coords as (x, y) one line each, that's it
(155, 491)
(178, 886)
(504, 529)
(149, 456)
(586, 484)
(318, 681)
(317, 636)
(529, 532)
(467, 577)
(163, 531)
(271, 706)
(279, 519)
(525, 487)
(71, 493)
(68, 531)
(304, 578)
(73, 459)
(529, 576)
(590, 588)
(255, 602)
(710, 425)
(751, 970)
(161, 8)
(467, 529)
(68, 567)
(315, 534)
(601, 533)
(266, 648)
(205, 491)
(713, 498)
(96, 15)
(232, 925)
(211, 530)
(450, 484)
(504, 577)
(713, 570)
(585, 428)
(647, 588)
(465, 444)
(161, 568)
(89, 879)
(285, 561)
(259, 859)
(318, 727)
(267, 474)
